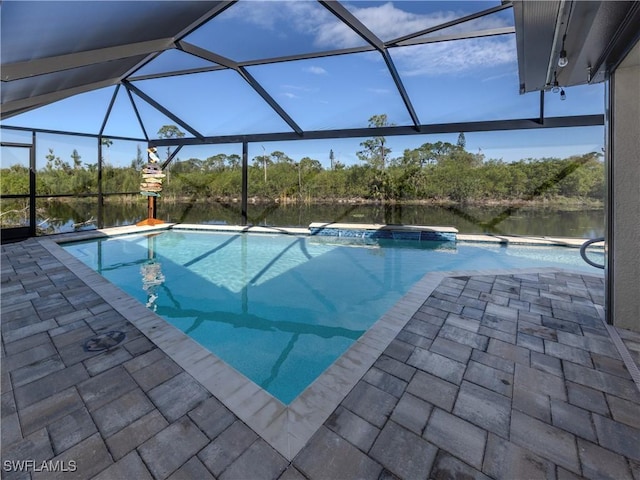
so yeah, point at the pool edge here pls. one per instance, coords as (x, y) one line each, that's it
(524, 240)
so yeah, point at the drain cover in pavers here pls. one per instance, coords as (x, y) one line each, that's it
(104, 341)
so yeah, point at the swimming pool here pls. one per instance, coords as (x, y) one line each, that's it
(281, 308)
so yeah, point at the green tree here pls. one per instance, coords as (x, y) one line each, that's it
(169, 132)
(216, 163)
(462, 142)
(14, 180)
(495, 176)
(281, 157)
(82, 180)
(75, 156)
(308, 168)
(428, 154)
(585, 176)
(374, 152)
(51, 159)
(262, 162)
(105, 142)
(456, 174)
(190, 165)
(55, 163)
(138, 162)
(56, 175)
(234, 161)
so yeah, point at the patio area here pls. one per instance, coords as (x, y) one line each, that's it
(495, 375)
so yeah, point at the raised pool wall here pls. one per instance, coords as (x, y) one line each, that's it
(389, 232)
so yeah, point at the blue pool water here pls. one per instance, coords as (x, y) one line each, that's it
(280, 308)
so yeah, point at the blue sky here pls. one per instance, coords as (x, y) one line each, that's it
(455, 81)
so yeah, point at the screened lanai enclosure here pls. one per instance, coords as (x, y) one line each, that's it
(488, 116)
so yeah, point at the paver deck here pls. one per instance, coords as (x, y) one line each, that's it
(495, 375)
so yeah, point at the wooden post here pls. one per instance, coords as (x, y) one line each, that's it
(145, 188)
(151, 214)
(151, 208)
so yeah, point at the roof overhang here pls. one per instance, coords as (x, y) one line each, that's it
(596, 34)
(45, 58)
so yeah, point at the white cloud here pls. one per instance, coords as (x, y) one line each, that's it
(300, 88)
(387, 21)
(335, 34)
(290, 95)
(316, 70)
(379, 91)
(455, 57)
(300, 16)
(512, 73)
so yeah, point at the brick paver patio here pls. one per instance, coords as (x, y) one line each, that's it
(494, 376)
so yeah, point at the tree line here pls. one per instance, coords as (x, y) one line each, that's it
(438, 172)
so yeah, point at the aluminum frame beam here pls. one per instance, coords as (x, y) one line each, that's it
(215, 11)
(492, 32)
(351, 21)
(518, 124)
(493, 125)
(73, 134)
(442, 26)
(331, 53)
(346, 17)
(173, 155)
(108, 112)
(228, 63)
(162, 109)
(137, 114)
(219, 8)
(208, 55)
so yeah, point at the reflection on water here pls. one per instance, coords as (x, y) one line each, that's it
(152, 277)
(536, 221)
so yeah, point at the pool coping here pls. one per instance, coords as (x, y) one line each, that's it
(287, 428)
(525, 240)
